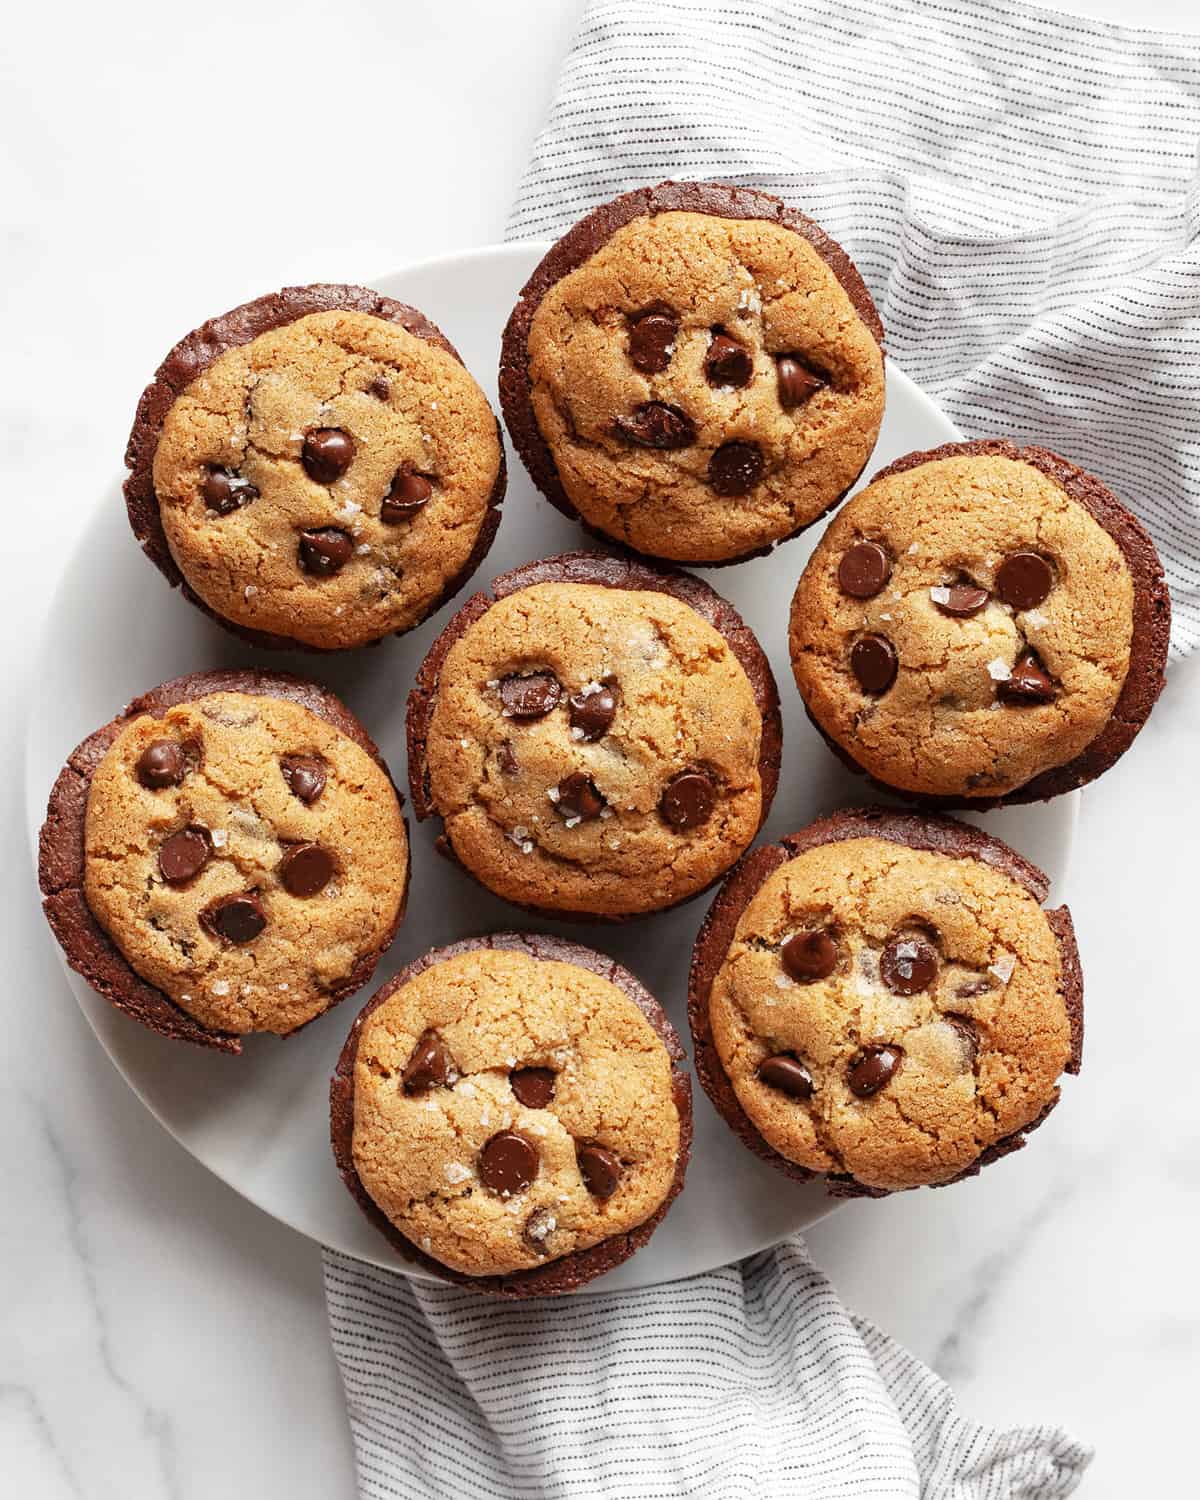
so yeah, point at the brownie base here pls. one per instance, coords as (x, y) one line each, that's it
(936, 835)
(578, 245)
(193, 354)
(569, 1272)
(1146, 676)
(610, 571)
(88, 948)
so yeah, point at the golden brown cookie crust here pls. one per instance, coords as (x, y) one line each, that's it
(759, 279)
(236, 790)
(981, 1047)
(418, 405)
(498, 1004)
(943, 727)
(684, 700)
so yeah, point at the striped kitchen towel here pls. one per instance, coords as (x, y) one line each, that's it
(751, 1381)
(1020, 189)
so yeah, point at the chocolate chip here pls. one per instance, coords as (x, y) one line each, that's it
(325, 551)
(968, 1035)
(539, 1226)
(688, 798)
(184, 854)
(654, 424)
(237, 919)
(224, 490)
(578, 798)
(873, 661)
(797, 383)
(787, 1075)
(306, 869)
(507, 757)
(162, 763)
(1024, 579)
(600, 1169)
(408, 494)
(507, 1163)
(305, 776)
(530, 697)
(809, 955)
(973, 987)
(651, 341)
(872, 1069)
(727, 362)
(962, 599)
(592, 711)
(534, 1087)
(429, 1065)
(380, 388)
(864, 570)
(1029, 683)
(735, 468)
(327, 454)
(908, 964)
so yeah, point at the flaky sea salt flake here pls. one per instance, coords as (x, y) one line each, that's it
(999, 670)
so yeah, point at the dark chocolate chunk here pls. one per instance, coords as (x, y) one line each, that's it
(306, 869)
(654, 424)
(592, 711)
(968, 1034)
(534, 1087)
(305, 776)
(380, 388)
(408, 494)
(578, 798)
(429, 1065)
(327, 454)
(184, 854)
(864, 570)
(508, 1163)
(727, 362)
(809, 955)
(600, 1169)
(325, 551)
(651, 341)
(688, 798)
(962, 599)
(224, 490)
(787, 1075)
(162, 763)
(873, 661)
(872, 1069)
(1024, 579)
(237, 919)
(735, 468)
(908, 964)
(530, 697)
(796, 382)
(539, 1226)
(1029, 683)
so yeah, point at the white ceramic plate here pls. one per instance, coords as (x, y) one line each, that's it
(260, 1122)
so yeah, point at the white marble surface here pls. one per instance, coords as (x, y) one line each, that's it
(158, 1337)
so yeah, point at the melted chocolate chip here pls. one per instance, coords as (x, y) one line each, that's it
(809, 955)
(600, 1169)
(727, 362)
(787, 1075)
(873, 661)
(380, 388)
(325, 551)
(507, 758)
(408, 494)
(1024, 579)
(968, 1036)
(224, 490)
(306, 869)
(961, 599)
(654, 424)
(429, 1065)
(592, 711)
(872, 1069)
(972, 987)
(1029, 683)
(864, 570)
(534, 1087)
(530, 697)
(688, 799)
(578, 798)
(796, 382)
(908, 964)
(184, 854)
(327, 454)
(305, 776)
(237, 919)
(539, 1226)
(162, 763)
(508, 1163)
(735, 468)
(651, 341)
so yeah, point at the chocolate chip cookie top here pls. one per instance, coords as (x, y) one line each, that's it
(881, 998)
(316, 467)
(602, 738)
(513, 1108)
(696, 371)
(228, 857)
(982, 622)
